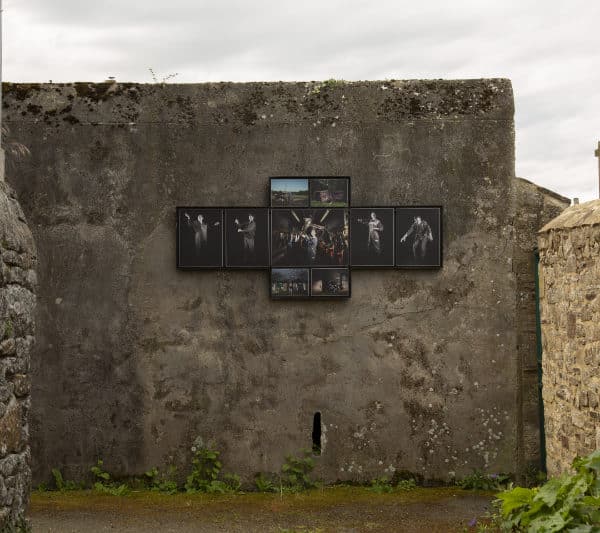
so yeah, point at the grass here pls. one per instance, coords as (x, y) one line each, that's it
(322, 509)
(315, 498)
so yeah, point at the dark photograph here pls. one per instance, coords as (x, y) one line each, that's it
(289, 192)
(247, 238)
(289, 282)
(329, 192)
(199, 237)
(372, 231)
(309, 237)
(419, 237)
(330, 282)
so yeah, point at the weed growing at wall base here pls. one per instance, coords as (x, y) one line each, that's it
(103, 482)
(295, 472)
(384, 485)
(567, 503)
(206, 469)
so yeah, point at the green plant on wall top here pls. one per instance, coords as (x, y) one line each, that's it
(570, 502)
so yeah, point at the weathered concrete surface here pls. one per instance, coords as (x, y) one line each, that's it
(17, 305)
(535, 207)
(570, 305)
(418, 371)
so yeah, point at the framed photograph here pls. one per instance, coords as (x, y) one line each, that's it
(372, 231)
(247, 237)
(309, 237)
(199, 237)
(419, 237)
(330, 282)
(329, 192)
(289, 192)
(290, 283)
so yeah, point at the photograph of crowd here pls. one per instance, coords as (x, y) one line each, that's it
(199, 237)
(419, 237)
(329, 192)
(289, 192)
(330, 282)
(289, 282)
(372, 231)
(247, 238)
(309, 237)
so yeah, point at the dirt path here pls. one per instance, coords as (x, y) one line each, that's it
(340, 509)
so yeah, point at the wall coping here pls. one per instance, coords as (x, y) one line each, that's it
(586, 214)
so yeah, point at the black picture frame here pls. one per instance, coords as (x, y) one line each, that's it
(277, 192)
(409, 255)
(291, 244)
(362, 247)
(191, 240)
(293, 275)
(238, 246)
(329, 192)
(337, 277)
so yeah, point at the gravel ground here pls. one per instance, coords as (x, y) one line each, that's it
(339, 509)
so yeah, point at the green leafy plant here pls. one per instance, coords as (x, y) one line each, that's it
(264, 484)
(570, 502)
(103, 482)
(384, 485)
(295, 472)
(481, 481)
(206, 469)
(62, 484)
(161, 482)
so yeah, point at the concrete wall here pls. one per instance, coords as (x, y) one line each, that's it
(535, 208)
(570, 304)
(418, 371)
(17, 303)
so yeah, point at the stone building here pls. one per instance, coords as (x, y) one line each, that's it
(425, 371)
(570, 310)
(17, 303)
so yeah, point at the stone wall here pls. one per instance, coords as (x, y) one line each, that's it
(17, 304)
(418, 371)
(570, 308)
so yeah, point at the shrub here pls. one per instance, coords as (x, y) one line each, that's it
(570, 502)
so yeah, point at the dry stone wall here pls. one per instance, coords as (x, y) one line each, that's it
(17, 303)
(570, 305)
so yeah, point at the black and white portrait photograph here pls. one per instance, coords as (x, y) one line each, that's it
(329, 192)
(372, 233)
(289, 192)
(290, 282)
(309, 237)
(247, 238)
(199, 237)
(333, 282)
(419, 237)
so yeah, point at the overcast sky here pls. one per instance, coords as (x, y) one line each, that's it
(549, 49)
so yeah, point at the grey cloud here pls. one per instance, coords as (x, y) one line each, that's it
(550, 52)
